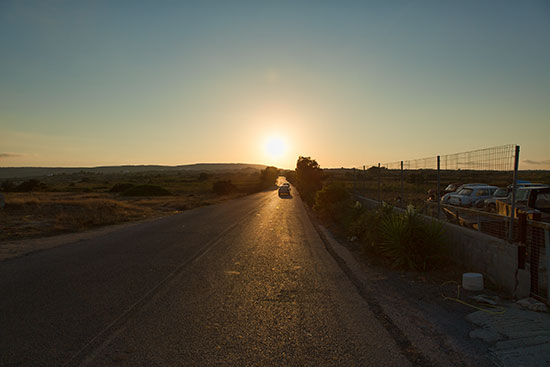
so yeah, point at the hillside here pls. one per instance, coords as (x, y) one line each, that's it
(23, 172)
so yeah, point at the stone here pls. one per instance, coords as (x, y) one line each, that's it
(532, 304)
(487, 335)
(482, 298)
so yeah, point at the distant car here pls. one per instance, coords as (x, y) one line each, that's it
(491, 203)
(284, 190)
(452, 187)
(469, 196)
(445, 198)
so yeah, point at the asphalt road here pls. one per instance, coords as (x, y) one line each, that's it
(245, 282)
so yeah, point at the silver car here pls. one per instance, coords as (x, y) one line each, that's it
(469, 196)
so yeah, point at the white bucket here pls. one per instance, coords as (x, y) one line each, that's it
(472, 281)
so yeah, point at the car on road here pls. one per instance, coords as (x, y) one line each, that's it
(284, 189)
(469, 196)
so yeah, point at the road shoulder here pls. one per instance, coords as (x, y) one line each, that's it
(428, 333)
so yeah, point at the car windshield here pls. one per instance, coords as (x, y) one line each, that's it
(543, 201)
(522, 194)
(465, 192)
(501, 193)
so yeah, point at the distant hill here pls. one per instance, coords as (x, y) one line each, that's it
(21, 172)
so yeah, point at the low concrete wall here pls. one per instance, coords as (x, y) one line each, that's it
(493, 257)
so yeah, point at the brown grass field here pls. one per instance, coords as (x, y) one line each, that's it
(79, 202)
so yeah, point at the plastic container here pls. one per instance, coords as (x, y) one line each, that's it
(472, 281)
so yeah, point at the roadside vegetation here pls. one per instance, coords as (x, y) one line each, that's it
(399, 239)
(64, 203)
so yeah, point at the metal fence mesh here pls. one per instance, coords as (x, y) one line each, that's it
(429, 183)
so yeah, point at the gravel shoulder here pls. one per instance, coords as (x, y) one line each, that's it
(430, 330)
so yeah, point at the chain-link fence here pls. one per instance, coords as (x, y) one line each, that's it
(479, 190)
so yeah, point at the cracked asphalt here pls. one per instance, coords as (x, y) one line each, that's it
(248, 282)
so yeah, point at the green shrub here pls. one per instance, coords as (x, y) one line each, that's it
(411, 242)
(333, 203)
(365, 225)
(146, 190)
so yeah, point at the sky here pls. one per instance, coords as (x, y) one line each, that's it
(89, 83)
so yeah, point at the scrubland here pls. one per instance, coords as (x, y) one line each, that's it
(68, 203)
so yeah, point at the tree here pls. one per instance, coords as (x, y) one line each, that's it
(268, 176)
(309, 177)
(223, 187)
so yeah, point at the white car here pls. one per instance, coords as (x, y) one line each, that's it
(469, 196)
(445, 198)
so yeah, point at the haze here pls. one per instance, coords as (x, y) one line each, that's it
(349, 83)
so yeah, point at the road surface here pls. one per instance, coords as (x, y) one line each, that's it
(245, 282)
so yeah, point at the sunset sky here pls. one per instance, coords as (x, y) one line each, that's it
(87, 83)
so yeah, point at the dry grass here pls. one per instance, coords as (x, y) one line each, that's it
(80, 201)
(38, 214)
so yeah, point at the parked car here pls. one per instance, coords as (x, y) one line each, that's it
(530, 199)
(452, 187)
(469, 196)
(490, 203)
(445, 198)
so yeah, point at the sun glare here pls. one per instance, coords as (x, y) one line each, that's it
(275, 147)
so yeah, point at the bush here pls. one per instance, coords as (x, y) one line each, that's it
(223, 187)
(333, 202)
(30, 185)
(203, 176)
(120, 187)
(7, 186)
(411, 242)
(146, 190)
(268, 176)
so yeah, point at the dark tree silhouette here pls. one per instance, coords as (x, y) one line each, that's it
(309, 177)
(268, 176)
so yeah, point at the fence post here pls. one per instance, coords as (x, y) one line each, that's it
(438, 187)
(402, 191)
(379, 187)
(514, 184)
(363, 179)
(354, 181)
(547, 256)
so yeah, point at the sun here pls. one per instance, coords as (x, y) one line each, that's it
(275, 147)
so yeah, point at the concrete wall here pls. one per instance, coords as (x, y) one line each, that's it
(493, 257)
(478, 252)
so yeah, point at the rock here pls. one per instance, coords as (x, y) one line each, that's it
(487, 335)
(532, 304)
(482, 298)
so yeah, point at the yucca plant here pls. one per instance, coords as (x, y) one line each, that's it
(410, 242)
